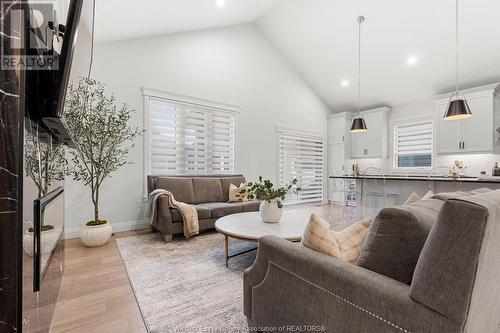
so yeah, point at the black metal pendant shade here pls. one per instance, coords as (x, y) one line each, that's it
(358, 125)
(458, 109)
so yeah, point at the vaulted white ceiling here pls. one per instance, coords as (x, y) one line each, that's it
(125, 19)
(319, 39)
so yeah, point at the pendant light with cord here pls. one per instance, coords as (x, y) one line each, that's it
(458, 108)
(358, 123)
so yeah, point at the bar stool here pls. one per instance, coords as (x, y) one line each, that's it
(374, 194)
(345, 201)
(442, 171)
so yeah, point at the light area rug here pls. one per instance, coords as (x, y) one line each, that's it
(184, 286)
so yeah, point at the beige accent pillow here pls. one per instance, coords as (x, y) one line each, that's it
(234, 190)
(427, 195)
(413, 198)
(345, 244)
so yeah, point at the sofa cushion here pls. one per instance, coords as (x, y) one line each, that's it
(220, 209)
(181, 188)
(447, 269)
(481, 190)
(451, 195)
(203, 213)
(207, 190)
(396, 238)
(226, 181)
(250, 206)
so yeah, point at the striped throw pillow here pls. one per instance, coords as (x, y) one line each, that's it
(345, 244)
(413, 198)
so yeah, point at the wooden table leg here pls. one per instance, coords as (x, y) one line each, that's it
(226, 249)
(227, 256)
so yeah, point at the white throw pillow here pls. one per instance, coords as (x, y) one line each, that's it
(427, 195)
(234, 191)
(345, 244)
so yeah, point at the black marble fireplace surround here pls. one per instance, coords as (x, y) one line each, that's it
(11, 191)
(23, 306)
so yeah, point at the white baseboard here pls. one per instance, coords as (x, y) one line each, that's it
(74, 232)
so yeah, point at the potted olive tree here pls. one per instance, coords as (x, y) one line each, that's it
(103, 138)
(271, 206)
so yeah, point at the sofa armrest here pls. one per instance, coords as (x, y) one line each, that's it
(289, 284)
(163, 220)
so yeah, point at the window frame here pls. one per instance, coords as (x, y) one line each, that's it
(150, 94)
(305, 134)
(406, 122)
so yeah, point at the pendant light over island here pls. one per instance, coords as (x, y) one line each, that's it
(358, 123)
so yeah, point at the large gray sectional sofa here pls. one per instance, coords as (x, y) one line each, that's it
(208, 194)
(444, 278)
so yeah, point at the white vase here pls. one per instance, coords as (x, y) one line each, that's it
(96, 235)
(269, 212)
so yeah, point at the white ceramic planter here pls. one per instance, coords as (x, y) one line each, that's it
(97, 235)
(269, 212)
(48, 242)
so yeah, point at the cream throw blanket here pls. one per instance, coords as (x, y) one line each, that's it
(189, 214)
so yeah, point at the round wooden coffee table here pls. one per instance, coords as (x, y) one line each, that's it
(249, 227)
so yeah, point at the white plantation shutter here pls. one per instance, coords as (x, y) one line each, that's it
(301, 157)
(189, 139)
(413, 144)
(222, 133)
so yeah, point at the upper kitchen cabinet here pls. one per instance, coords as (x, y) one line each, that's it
(374, 142)
(338, 142)
(339, 125)
(472, 135)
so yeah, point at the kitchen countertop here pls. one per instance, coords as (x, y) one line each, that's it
(464, 179)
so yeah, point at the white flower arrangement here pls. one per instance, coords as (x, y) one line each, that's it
(457, 169)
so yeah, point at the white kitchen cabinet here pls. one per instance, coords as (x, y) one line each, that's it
(374, 142)
(337, 158)
(338, 149)
(338, 127)
(478, 132)
(472, 135)
(448, 132)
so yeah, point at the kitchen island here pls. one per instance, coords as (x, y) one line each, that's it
(463, 179)
(399, 187)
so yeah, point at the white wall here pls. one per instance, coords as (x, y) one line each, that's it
(235, 65)
(73, 196)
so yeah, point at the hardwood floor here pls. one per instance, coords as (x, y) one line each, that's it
(96, 296)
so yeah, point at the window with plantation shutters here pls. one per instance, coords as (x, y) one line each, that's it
(187, 139)
(301, 157)
(413, 144)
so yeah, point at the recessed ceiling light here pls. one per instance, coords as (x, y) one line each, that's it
(221, 3)
(344, 83)
(412, 60)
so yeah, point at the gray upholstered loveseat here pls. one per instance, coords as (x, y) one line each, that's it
(208, 194)
(455, 285)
